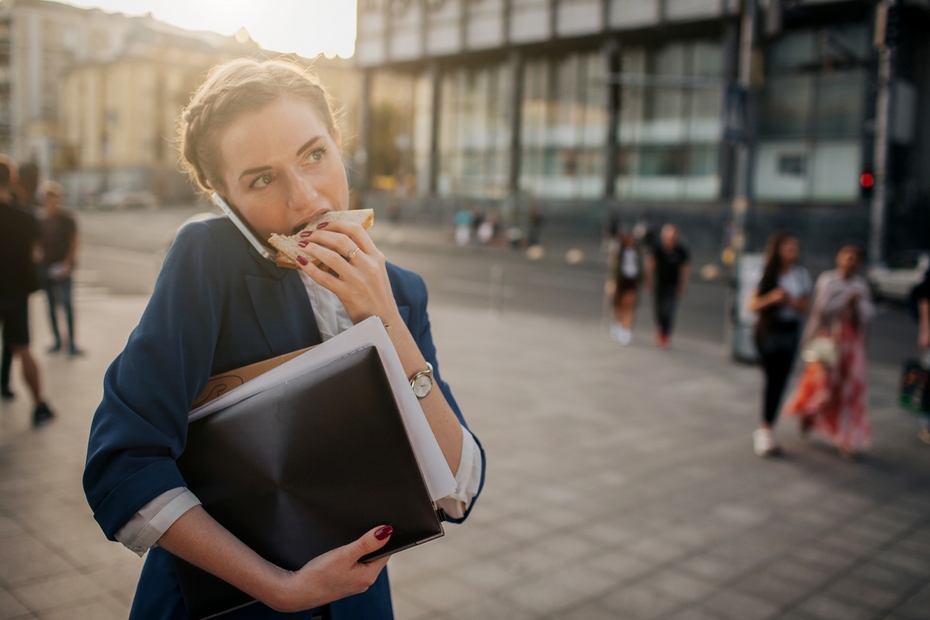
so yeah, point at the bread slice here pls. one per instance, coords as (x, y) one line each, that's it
(287, 245)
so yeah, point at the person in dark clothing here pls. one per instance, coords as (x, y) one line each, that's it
(668, 271)
(781, 301)
(59, 249)
(19, 236)
(921, 296)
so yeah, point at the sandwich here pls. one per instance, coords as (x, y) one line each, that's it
(287, 245)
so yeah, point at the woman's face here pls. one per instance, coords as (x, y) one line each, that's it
(789, 250)
(847, 260)
(281, 166)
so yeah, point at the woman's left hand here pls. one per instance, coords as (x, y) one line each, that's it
(359, 276)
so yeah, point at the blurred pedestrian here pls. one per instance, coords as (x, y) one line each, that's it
(626, 277)
(26, 188)
(668, 271)
(922, 297)
(781, 300)
(831, 398)
(59, 251)
(19, 238)
(463, 219)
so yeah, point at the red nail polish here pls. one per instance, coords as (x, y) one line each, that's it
(302, 260)
(383, 532)
(302, 244)
(306, 233)
(323, 225)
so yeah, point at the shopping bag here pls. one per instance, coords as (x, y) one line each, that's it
(915, 387)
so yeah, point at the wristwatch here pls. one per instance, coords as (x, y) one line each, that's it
(422, 382)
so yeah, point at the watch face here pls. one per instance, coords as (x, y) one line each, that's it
(422, 385)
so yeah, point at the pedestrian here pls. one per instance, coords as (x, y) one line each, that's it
(626, 277)
(921, 296)
(463, 220)
(59, 252)
(781, 301)
(262, 135)
(831, 397)
(668, 271)
(19, 240)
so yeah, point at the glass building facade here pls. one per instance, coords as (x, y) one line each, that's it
(812, 116)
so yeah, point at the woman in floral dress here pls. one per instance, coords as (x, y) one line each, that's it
(831, 398)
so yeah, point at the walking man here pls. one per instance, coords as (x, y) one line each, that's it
(59, 249)
(19, 237)
(668, 270)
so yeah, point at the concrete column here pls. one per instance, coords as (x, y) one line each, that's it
(879, 206)
(741, 198)
(434, 126)
(613, 61)
(363, 152)
(516, 120)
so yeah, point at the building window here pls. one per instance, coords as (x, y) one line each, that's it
(474, 136)
(564, 127)
(670, 123)
(812, 111)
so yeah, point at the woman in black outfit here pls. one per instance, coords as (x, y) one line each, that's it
(781, 301)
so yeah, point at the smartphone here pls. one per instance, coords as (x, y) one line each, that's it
(243, 227)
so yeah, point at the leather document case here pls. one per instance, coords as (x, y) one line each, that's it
(302, 468)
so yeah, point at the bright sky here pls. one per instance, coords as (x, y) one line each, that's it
(305, 27)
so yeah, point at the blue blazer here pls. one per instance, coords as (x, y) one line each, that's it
(217, 305)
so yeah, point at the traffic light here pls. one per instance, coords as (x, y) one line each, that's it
(866, 182)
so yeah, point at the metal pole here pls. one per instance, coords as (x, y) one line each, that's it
(879, 204)
(436, 84)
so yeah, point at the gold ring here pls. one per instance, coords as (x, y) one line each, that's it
(353, 253)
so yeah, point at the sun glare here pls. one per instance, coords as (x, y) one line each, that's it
(304, 27)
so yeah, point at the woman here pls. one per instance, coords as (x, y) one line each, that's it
(262, 135)
(781, 301)
(624, 286)
(831, 398)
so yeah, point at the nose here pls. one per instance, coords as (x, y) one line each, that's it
(302, 192)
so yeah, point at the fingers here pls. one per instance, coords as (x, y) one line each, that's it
(373, 540)
(353, 231)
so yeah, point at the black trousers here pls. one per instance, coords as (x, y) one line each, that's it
(665, 304)
(6, 365)
(777, 350)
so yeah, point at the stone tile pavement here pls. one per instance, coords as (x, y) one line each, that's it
(620, 484)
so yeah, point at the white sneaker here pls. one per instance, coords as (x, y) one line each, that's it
(763, 442)
(615, 330)
(626, 336)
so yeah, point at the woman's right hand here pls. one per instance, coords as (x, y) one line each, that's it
(333, 575)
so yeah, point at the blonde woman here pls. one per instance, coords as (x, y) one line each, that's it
(263, 136)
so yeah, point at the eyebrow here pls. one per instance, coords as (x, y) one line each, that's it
(309, 143)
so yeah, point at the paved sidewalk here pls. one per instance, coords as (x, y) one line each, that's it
(621, 484)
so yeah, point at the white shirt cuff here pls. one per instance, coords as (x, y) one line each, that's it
(467, 478)
(143, 530)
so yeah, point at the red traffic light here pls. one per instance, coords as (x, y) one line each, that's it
(866, 180)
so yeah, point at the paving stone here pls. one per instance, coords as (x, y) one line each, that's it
(638, 603)
(825, 607)
(735, 605)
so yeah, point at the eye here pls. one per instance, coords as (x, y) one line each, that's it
(316, 154)
(263, 180)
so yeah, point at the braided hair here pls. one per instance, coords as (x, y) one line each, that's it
(230, 90)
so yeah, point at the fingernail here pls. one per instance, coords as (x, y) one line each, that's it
(306, 233)
(383, 532)
(302, 260)
(302, 244)
(323, 225)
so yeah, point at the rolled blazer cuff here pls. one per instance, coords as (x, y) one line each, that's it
(134, 492)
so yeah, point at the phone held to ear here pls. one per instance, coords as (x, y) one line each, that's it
(243, 227)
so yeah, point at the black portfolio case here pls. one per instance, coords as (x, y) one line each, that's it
(305, 467)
